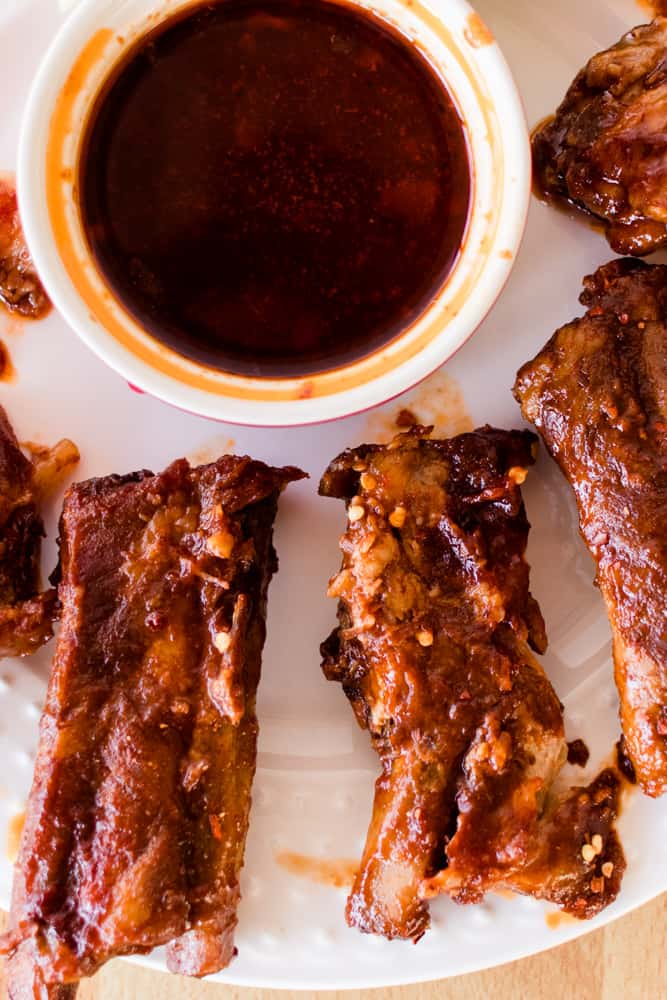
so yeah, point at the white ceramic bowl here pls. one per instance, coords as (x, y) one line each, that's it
(90, 43)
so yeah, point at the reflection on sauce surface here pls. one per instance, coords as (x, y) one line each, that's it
(273, 187)
(338, 873)
(14, 831)
(21, 291)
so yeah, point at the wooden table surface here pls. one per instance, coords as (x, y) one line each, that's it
(625, 961)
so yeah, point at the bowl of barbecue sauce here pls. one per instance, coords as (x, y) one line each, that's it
(274, 211)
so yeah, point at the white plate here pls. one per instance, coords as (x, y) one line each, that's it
(316, 771)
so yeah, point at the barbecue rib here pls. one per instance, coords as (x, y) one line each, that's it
(597, 393)
(21, 291)
(433, 650)
(605, 150)
(138, 814)
(26, 616)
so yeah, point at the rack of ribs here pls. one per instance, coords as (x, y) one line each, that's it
(138, 814)
(434, 649)
(26, 615)
(597, 393)
(605, 150)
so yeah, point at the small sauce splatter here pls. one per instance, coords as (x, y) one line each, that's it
(306, 391)
(578, 753)
(477, 33)
(14, 831)
(437, 402)
(212, 452)
(506, 255)
(21, 291)
(7, 370)
(557, 919)
(338, 873)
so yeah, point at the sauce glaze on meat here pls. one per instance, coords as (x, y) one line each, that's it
(597, 393)
(21, 291)
(26, 615)
(434, 649)
(605, 150)
(137, 818)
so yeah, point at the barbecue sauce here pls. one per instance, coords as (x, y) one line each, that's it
(21, 291)
(275, 187)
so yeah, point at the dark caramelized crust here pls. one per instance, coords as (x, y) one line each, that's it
(21, 291)
(605, 150)
(26, 616)
(433, 648)
(597, 393)
(138, 815)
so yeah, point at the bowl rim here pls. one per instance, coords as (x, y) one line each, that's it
(308, 399)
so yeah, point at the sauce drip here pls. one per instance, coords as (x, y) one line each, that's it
(275, 187)
(339, 874)
(556, 919)
(14, 834)
(438, 402)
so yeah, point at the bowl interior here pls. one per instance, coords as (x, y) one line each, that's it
(90, 44)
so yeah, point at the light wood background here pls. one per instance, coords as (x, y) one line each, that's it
(625, 961)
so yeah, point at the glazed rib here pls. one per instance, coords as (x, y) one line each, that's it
(26, 615)
(434, 650)
(138, 814)
(21, 291)
(605, 150)
(597, 393)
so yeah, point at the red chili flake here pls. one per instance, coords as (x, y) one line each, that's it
(216, 829)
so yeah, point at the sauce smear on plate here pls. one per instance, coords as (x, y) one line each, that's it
(275, 187)
(338, 873)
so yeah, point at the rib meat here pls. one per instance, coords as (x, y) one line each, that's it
(21, 291)
(26, 615)
(138, 814)
(597, 393)
(605, 149)
(434, 650)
